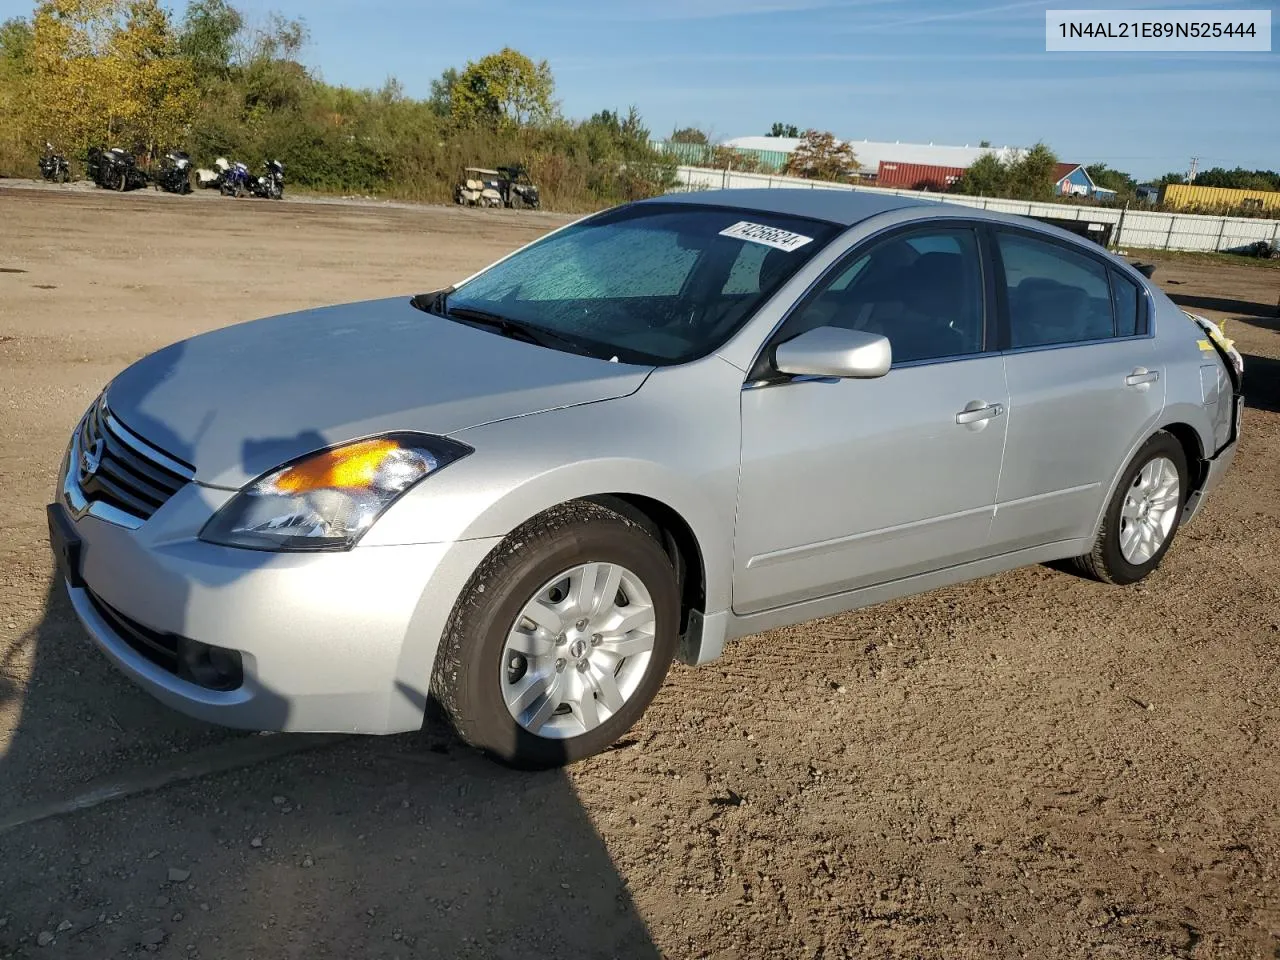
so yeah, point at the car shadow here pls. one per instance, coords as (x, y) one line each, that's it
(1236, 308)
(411, 845)
(1261, 382)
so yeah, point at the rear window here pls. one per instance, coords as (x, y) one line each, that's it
(1055, 294)
(1126, 304)
(652, 282)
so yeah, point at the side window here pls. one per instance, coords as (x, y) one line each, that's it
(1055, 294)
(1126, 304)
(921, 290)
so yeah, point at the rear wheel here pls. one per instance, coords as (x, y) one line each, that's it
(1143, 514)
(562, 638)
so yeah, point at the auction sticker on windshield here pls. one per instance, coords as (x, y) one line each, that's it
(769, 236)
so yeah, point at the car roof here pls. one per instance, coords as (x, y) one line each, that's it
(843, 207)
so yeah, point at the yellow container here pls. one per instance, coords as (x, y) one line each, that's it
(1189, 196)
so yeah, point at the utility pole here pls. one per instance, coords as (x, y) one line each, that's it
(1191, 174)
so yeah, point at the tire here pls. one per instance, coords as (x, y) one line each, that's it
(474, 677)
(1109, 561)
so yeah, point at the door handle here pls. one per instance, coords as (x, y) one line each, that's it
(1140, 376)
(971, 414)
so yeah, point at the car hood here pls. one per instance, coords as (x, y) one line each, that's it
(239, 401)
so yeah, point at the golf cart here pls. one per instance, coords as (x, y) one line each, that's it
(479, 188)
(516, 187)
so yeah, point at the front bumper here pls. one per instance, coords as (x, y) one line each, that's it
(329, 642)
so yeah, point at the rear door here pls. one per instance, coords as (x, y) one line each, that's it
(1084, 383)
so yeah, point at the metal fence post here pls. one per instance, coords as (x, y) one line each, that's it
(1169, 236)
(1217, 246)
(1119, 242)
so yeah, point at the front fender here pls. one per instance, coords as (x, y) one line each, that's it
(676, 441)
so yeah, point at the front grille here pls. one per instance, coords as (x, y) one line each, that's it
(121, 470)
(214, 668)
(160, 648)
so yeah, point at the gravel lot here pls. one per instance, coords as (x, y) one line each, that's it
(1031, 765)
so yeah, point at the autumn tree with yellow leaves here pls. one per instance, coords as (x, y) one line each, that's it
(106, 71)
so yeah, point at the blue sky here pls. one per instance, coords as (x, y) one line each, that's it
(942, 71)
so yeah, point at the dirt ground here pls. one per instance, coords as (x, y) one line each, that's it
(1033, 765)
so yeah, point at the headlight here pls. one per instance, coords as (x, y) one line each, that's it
(327, 500)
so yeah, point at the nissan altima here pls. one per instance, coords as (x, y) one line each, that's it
(649, 432)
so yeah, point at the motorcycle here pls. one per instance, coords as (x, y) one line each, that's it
(54, 166)
(236, 179)
(93, 165)
(174, 173)
(118, 170)
(271, 184)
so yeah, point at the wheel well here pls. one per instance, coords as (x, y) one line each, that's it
(677, 539)
(1189, 440)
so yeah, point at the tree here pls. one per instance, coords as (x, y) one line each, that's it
(442, 92)
(985, 177)
(690, 135)
(15, 43)
(1173, 177)
(156, 92)
(1117, 180)
(820, 156)
(984, 143)
(207, 38)
(503, 88)
(1239, 179)
(727, 158)
(784, 130)
(1031, 176)
(106, 70)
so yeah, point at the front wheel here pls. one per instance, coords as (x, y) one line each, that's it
(1143, 515)
(561, 639)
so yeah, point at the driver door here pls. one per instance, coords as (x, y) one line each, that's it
(850, 483)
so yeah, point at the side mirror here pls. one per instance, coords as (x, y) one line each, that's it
(835, 352)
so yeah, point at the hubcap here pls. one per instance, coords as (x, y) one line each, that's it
(1149, 511)
(597, 619)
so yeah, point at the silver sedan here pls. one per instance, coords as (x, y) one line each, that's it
(654, 430)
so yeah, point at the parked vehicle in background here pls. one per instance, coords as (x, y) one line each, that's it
(174, 173)
(479, 188)
(656, 429)
(94, 164)
(54, 166)
(207, 179)
(517, 189)
(270, 185)
(235, 180)
(118, 170)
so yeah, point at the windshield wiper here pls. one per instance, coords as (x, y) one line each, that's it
(515, 329)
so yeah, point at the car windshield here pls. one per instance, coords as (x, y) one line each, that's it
(648, 283)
